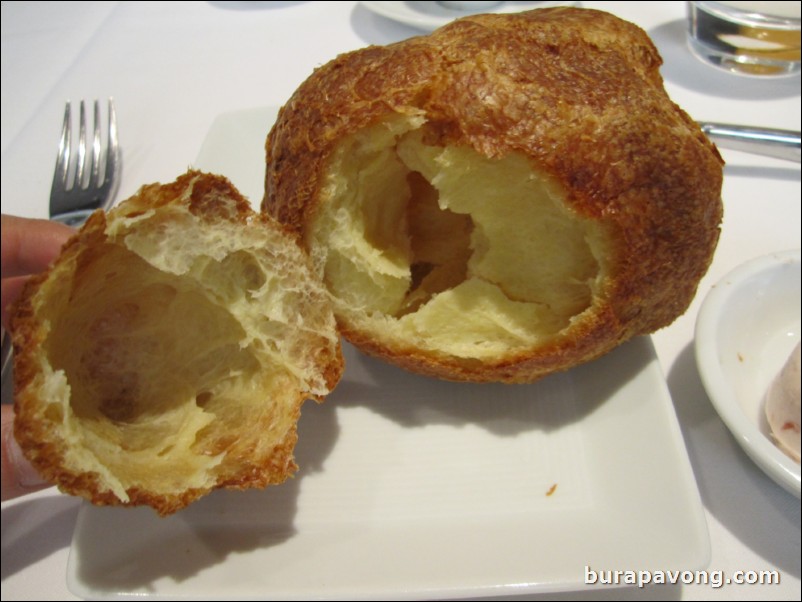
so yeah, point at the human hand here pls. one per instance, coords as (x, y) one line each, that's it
(28, 247)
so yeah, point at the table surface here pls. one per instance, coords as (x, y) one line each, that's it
(172, 67)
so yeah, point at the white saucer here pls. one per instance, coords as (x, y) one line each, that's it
(430, 15)
(746, 329)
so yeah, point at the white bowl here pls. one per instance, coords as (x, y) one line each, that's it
(747, 328)
(472, 6)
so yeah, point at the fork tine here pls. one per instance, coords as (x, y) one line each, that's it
(112, 151)
(95, 171)
(78, 189)
(81, 159)
(63, 158)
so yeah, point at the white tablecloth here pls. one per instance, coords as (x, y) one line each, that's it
(172, 67)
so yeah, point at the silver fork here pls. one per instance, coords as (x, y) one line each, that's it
(79, 187)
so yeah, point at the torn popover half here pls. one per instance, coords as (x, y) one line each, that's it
(168, 350)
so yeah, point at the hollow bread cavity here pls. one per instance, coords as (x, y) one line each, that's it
(173, 381)
(449, 250)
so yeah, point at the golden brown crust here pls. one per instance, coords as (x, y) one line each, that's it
(47, 417)
(577, 91)
(585, 343)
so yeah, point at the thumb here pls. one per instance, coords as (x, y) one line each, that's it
(18, 476)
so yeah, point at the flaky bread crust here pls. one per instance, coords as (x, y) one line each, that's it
(52, 430)
(579, 93)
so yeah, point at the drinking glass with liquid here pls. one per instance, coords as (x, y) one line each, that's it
(749, 38)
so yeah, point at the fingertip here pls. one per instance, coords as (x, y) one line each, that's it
(30, 245)
(19, 477)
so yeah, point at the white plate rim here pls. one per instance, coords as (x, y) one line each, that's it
(428, 16)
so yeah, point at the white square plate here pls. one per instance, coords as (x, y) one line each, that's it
(411, 487)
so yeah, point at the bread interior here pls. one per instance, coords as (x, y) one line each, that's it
(164, 390)
(449, 250)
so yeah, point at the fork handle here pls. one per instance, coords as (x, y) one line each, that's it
(73, 218)
(780, 144)
(7, 348)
